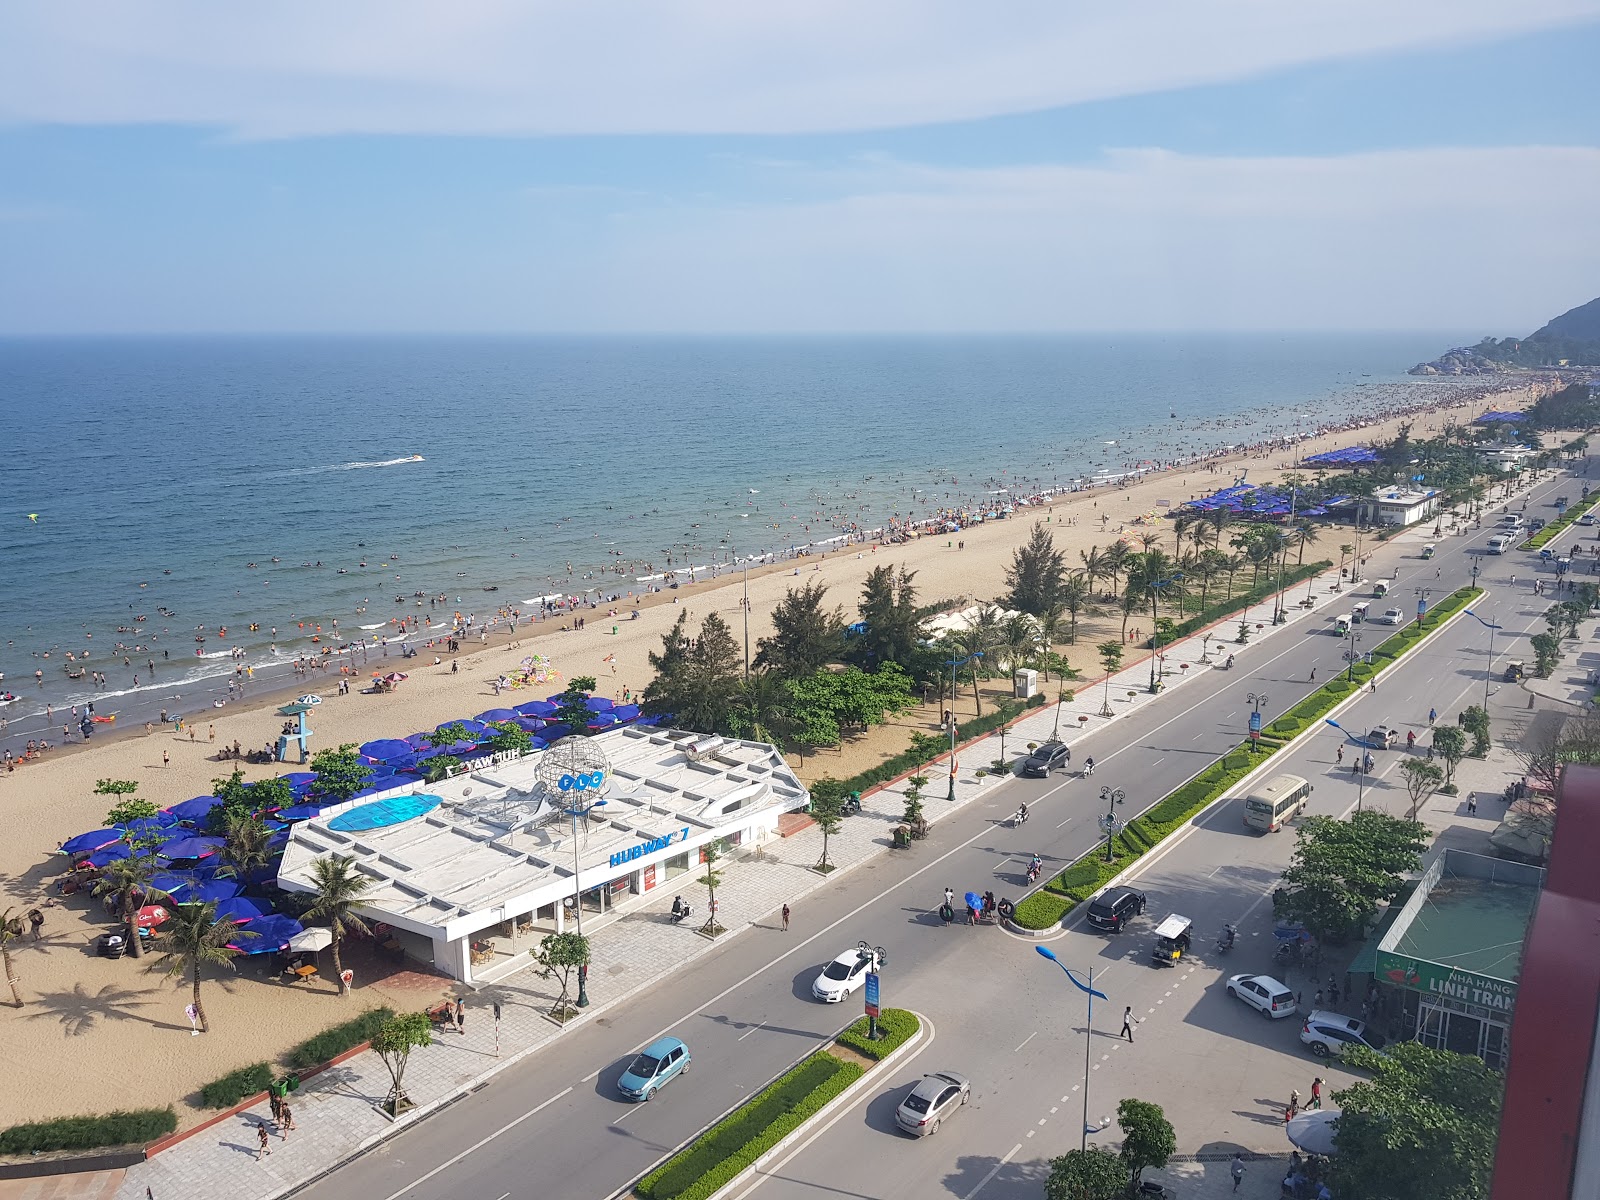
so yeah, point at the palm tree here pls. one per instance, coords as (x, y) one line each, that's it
(982, 637)
(1094, 564)
(338, 887)
(1021, 640)
(128, 879)
(1077, 597)
(1304, 534)
(10, 931)
(244, 847)
(1149, 541)
(195, 938)
(1220, 519)
(767, 704)
(1116, 561)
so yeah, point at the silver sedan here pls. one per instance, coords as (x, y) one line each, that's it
(931, 1101)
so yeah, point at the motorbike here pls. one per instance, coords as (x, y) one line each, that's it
(1020, 817)
(1225, 942)
(851, 803)
(1034, 870)
(678, 914)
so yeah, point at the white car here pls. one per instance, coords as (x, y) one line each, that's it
(1330, 1032)
(1391, 616)
(1264, 994)
(1586, 519)
(308, 698)
(844, 975)
(931, 1101)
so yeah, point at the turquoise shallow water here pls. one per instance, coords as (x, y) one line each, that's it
(161, 469)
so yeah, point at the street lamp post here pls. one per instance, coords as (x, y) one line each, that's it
(575, 812)
(1422, 595)
(953, 664)
(1278, 614)
(1256, 702)
(1088, 989)
(1488, 669)
(1155, 629)
(1112, 797)
(1361, 766)
(1354, 655)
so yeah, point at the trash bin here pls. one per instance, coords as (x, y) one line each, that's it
(902, 836)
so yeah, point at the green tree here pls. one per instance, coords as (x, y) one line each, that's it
(194, 939)
(711, 854)
(128, 809)
(1342, 871)
(1147, 1137)
(393, 1042)
(241, 798)
(1037, 573)
(697, 683)
(1092, 1174)
(806, 634)
(508, 738)
(1422, 780)
(127, 881)
(1020, 640)
(572, 708)
(828, 702)
(1450, 744)
(340, 772)
(1110, 663)
(439, 767)
(1425, 1124)
(1546, 653)
(827, 810)
(338, 886)
(888, 609)
(449, 735)
(765, 709)
(1476, 722)
(563, 953)
(10, 931)
(244, 845)
(913, 815)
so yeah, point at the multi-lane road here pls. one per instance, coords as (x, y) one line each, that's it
(995, 1010)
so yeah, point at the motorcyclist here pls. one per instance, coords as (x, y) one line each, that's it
(1088, 766)
(1229, 932)
(1022, 813)
(1228, 666)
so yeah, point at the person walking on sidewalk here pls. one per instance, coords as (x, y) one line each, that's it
(786, 918)
(261, 1141)
(1237, 1171)
(1294, 1105)
(285, 1120)
(1127, 1024)
(1316, 1094)
(461, 1018)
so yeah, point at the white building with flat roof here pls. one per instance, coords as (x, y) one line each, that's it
(470, 873)
(1394, 507)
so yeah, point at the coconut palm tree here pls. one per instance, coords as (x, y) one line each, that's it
(338, 887)
(1094, 564)
(195, 938)
(128, 880)
(1220, 519)
(10, 931)
(1020, 639)
(1077, 597)
(1116, 562)
(1304, 534)
(1148, 541)
(244, 846)
(767, 704)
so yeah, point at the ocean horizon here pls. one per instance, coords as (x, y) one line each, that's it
(287, 480)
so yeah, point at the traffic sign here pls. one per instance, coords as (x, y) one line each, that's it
(872, 994)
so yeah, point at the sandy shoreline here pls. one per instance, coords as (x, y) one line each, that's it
(92, 1021)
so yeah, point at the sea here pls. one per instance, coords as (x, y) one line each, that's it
(156, 491)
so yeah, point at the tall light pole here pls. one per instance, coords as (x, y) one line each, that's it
(746, 620)
(1353, 655)
(1088, 989)
(953, 664)
(1256, 701)
(1113, 797)
(1155, 630)
(1361, 766)
(1488, 670)
(576, 811)
(1278, 616)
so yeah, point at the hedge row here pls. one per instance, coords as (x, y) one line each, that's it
(236, 1086)
(331, 1043)
(87, 1133)
(1089, 874)
(749, 1131)
(1562, 523)
(895, 1025)
(1233, 604)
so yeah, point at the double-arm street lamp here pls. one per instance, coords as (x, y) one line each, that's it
(1112, 797)
(1256, 701)
(1361, 760)
(1488, 669)
(575, 811)
(1155, 586)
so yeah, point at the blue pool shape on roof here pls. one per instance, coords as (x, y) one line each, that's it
(384, 812)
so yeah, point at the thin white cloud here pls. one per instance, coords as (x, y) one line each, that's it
(305, 67)
(1468, 238)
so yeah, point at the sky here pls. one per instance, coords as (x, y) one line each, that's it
(797, 166)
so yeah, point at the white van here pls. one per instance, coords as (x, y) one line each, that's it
(1269, 806)
(1511, 521)
(1500, 543)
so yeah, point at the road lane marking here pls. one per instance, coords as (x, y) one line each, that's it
(1027, 1039)
(748, 1032)
(993, 1171)
(450, 1162)
(1067, 821)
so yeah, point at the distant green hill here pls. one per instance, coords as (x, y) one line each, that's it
(1572, 338)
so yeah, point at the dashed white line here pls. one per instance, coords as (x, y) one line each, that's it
(450, 1162)
(1027, 1039)
(751, 1030)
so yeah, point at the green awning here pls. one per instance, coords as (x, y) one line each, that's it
(1366, 961)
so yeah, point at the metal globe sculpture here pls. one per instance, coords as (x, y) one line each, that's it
(574, 770)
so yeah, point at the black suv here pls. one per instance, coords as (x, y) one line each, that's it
(1113, 908)
(1048, 757)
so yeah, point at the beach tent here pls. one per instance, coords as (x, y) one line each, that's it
(497, 714)
(272, 931)
(86, 842)
(240, 908)
(189, 847)
(193, 810)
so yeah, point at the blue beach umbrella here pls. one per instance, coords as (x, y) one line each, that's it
(141, 826)
(173, 883)
(300, 812)
(626, 712)
(84, 843)
(530, 724)
(299, 779)
(418, 741)
(110, 854)
(210, 892)
(598, 704)
(553, 732)
(190, 847)
(272, 931)
(538, 708)
(604, 721)
(467, 723)
(240, 908)
(384, 749)
(193, 810)
(497, 714)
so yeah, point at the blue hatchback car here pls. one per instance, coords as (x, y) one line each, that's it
(656, 1065)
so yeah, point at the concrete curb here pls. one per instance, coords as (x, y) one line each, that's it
(1166, 844)
(871, 1074)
